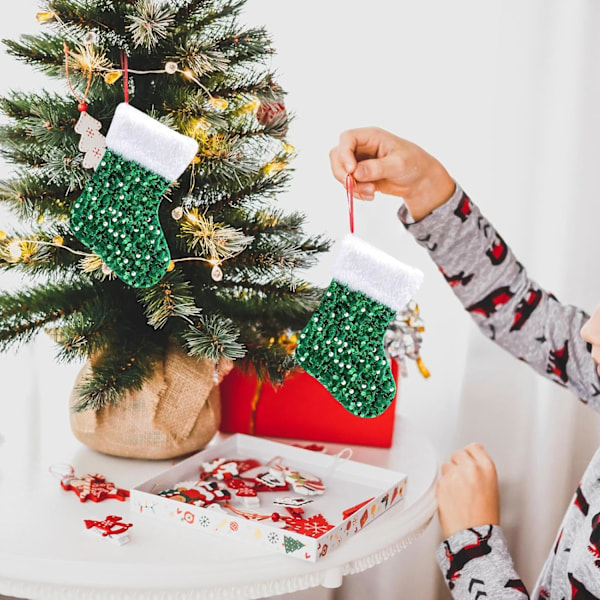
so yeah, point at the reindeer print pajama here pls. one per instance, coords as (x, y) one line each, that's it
(516, 313)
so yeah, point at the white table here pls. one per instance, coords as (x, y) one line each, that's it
(46, 553)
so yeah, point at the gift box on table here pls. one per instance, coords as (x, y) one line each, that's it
(355, 494)
(300, 408)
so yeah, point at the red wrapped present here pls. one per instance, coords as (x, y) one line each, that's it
(301, 408)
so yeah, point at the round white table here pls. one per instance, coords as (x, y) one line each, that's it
(46, 552)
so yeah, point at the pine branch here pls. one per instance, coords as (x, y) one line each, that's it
(202, 13)
(171, 298)
(43, 51)
(121, 368)
(88, 331)
(213, 337)
(270, 363)
(281, 300)
(23, 314)
(30, 195)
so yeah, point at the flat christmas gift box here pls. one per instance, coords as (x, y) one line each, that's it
(274, 496)
(301, 408)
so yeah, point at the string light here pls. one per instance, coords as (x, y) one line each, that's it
(219, 103)
(44, 17)
(274, 167)
(112, 76)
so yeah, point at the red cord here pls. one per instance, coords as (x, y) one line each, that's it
(124, 66)
(350, 196)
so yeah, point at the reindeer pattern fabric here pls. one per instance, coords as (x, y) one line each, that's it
(530, 323)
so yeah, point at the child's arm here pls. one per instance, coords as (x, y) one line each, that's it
(474, 557)
(509, 308)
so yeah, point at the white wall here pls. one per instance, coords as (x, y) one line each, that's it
(504, 93)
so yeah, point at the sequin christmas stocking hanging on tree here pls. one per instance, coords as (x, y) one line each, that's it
(342, 345)
(117, 214)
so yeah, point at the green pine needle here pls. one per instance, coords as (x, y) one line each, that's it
(215, 338)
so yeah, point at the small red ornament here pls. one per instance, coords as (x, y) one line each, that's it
(272, 111)
(111, 527)
(93, 487)
(82, 107)
(246, 465)
(221, 468)
(295, 511)
(267, 483)
(314, 526)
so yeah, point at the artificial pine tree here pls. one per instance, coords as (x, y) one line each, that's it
(230, 288)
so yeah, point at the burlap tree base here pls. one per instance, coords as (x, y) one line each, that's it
(175, 413)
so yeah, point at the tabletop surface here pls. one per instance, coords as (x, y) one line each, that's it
(45, 551)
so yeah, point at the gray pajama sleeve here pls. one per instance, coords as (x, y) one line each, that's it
(515, 312)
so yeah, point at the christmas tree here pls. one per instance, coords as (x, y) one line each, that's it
(229, 288)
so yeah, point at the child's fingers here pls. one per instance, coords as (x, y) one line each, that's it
(365, 191)
(363, 142)
(337, 167)
(478, 452)
(377, 169)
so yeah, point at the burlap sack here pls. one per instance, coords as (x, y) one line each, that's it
(176, 412)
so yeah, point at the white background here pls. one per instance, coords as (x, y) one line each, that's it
(505, 94)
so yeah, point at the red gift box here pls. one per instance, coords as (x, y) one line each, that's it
(300, 408)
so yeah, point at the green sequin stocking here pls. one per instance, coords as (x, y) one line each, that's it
(342, 347)
(117, 218)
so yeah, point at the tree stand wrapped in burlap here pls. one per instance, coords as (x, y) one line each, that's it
(176, 412)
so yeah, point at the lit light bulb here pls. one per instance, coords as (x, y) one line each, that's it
(251, 106)
(58, 240)
(216, 273)
(171, 266)
(2, 235)
(112, 76)
(219, 103)
(44, 17)
(177, 212)
(171, 67)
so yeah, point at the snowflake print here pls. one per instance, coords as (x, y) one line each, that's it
(273, 537)
(204, 521)
(314, 526)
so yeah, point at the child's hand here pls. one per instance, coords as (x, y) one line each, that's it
(467, 492)
(385, 163)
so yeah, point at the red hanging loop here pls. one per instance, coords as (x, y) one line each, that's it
(350, 196)
(125, 67)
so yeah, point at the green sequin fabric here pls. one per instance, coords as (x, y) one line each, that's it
(117, 218)
(342, 347)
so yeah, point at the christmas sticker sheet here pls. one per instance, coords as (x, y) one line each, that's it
(287, 499)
